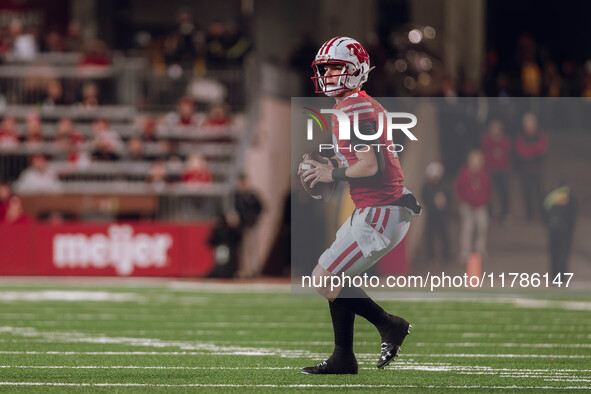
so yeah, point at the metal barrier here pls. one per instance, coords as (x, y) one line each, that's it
(127, 81)
(28, 84)
(162, 92)
(112, 113)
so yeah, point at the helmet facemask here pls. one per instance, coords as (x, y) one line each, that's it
(344, 81)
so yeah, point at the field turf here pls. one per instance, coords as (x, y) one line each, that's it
(171, 336)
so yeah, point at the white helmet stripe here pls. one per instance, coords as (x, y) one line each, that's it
(329, 44)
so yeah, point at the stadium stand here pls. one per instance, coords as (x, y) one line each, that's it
(104, 129)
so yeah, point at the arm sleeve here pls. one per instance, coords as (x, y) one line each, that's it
(369, 128)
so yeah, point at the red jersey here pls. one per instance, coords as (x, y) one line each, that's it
(473, 188)
(197, 176)
(382, 190)
(497, 153)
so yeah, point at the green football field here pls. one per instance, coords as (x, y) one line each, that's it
(173, 336)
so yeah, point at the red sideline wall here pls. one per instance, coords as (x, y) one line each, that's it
(115, 249)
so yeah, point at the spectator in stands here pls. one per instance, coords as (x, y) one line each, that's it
(502, 86)
(185, 115)
(23, 44)
(54, 95)
(8, 133)
(473, 189)
(96, 54)
(34, 132)
(175, 162)
(106, 144)
(531, 148)
(5, 194)
(104, 151)
(15, 212)
(158, 177)
(552, 81)
(38, 178)
(67, 140)
(149, 130)
(55, 218)
(560, 213)
(531, 79)
(74, 41)
(196, 170)
(238, 43)
(497, 152)
(135, 150)
(437, 202)
(531, 74)
(90, 95)
(218, 117)
(180, 45)
(65, 129)
(4, 44)
(53, 42)
(169, 149)
(217, 44)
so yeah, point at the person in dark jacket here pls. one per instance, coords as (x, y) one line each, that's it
(559, 214)
(436, 199)
(249, 207)
(225, 239)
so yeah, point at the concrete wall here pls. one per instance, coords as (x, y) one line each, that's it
(462, 27)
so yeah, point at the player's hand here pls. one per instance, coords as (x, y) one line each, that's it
(319, 173)
(305, 162)
(301, 170)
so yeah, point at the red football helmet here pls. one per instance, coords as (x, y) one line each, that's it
(345, 52)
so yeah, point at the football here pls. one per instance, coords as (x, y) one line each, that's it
(321, 191)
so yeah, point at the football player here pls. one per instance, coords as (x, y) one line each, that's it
(383, 206)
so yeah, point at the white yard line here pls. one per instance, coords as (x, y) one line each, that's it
(573, 325)
(508, 344)
(545, 304)
(205, 347)
(574, 356)
(135, 367)
(290, 354)
(434, 367)
(68, 295)
(470, 387)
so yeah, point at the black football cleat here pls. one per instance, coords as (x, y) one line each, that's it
(392, 336)
(334, 366)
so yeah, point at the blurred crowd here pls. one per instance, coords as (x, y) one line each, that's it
(480, 189)
(218, 44)
(67, 68)
(165, 143)
(21, 42)
(408, 62)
